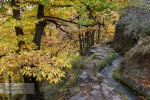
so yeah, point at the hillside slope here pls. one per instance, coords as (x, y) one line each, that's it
(132, 39)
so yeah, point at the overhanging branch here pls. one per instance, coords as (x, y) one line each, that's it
(69, 21)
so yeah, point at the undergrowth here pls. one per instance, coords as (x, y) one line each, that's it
(57, 91)
(106, 61)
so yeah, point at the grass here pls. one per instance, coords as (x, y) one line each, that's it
(122, 94)
(106, 61)
(116, 75)
(120, 91)
(93, 56)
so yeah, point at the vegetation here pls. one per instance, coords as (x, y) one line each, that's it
(135, 21)
(57, 91)
(117, 76)
(132, 25)
(40, 38)
(140, 58)
(132, 38)
(122, 94)
(106, 61)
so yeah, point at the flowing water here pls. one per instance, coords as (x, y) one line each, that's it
(108, 71)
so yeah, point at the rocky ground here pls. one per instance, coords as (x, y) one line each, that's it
(91, 84)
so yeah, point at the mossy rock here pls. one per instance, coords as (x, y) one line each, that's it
(130, 28)
(121, 42)
(135, 67)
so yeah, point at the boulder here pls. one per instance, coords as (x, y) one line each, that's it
(132, 25)
(135, 67)
(121, 42)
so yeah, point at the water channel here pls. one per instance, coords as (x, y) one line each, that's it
(108, 71)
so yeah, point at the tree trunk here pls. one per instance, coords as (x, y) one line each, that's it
(83, 41)
(86, 51)
(38, 34)
(81, 45)
(98, 34)
(16, 15)
(37, 94)
(19, 31)
(92, 37)
(39, 26)
(89, 38)
(37, 40)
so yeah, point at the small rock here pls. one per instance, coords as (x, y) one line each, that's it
(105, 81)
(106, 48)
(105, 88)
(85, 81)
(84, 98)
(90, 84)
(99, 58)
(78, 95)
(84, 72)
(88, 66)
(81, 85)
(92, 51)
(95, 79)
(97, 87)
(99, 75)
(84, 93)
(110, 88)
(94, 92)
(103, 84)
(83, 77)
(101, 54)
(117, 97)
(94, 47)
(106, 93)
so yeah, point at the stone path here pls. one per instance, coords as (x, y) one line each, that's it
(92, 85)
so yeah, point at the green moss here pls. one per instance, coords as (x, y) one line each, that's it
(117, 46)
(75, 89)
(123, 47)
(93, 56)
(117, 76)
(106, 61)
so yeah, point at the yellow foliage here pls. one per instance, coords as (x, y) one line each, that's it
(58, 48)
(108, 33)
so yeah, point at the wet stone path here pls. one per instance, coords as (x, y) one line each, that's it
(91, 84)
